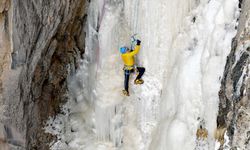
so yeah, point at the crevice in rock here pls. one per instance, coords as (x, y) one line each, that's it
(234, 106)
(48, 43)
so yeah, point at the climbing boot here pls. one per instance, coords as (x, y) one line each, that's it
(138, 81)
(125, 93)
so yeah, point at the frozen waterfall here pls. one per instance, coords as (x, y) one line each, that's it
(184, 49)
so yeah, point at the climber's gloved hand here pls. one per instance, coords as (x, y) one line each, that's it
(138, 42)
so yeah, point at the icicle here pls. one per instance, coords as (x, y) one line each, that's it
(109, 123)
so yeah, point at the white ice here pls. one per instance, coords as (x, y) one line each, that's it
(184, 49)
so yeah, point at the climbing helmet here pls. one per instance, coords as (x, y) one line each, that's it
(123, 50)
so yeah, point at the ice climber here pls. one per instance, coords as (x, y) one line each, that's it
(129, 66)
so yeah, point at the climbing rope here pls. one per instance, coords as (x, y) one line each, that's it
(135, 28)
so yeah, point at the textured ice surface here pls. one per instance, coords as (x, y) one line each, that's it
(184, 48)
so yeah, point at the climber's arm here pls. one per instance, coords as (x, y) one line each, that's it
(135, 51)
(137, 48)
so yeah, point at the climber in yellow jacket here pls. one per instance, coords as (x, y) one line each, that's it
(129, 66)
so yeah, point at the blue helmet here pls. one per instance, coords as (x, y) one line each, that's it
(123, 50)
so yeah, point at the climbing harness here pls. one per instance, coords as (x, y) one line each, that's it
(128, 67)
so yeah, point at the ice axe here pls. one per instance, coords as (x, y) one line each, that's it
(133, 41)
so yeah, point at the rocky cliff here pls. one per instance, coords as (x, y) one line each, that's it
(234, 107)
(41, 43)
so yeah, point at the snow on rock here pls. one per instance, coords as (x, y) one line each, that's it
(234, 109)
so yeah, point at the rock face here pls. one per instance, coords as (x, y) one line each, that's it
(4, 42)
(41, 45)
(41, 42)
(234, 107)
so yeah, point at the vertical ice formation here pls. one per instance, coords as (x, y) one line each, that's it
(156, 23)
(197, 59)
(183, 56)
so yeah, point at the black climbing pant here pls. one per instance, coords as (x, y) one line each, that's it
(127, 73)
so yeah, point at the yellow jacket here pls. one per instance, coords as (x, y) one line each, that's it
(128, 57)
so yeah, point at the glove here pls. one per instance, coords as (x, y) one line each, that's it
(138, 42)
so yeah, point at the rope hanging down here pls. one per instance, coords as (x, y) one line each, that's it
(135, 24)
(136, 13)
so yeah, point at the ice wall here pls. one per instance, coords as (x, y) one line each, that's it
(184, 46)
(156, 23)
(190, 93)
